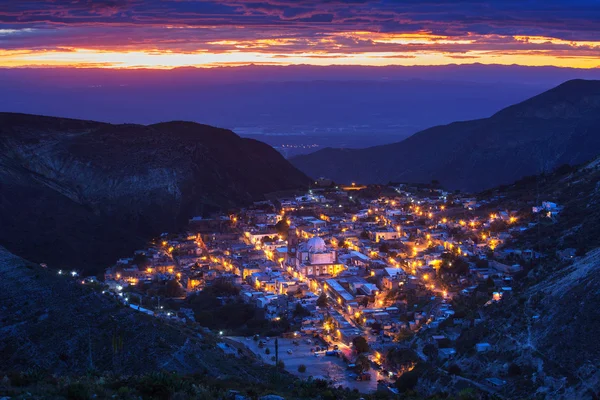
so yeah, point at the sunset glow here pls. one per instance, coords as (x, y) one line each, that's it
(170, 34)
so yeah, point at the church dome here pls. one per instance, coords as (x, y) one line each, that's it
(316, 245)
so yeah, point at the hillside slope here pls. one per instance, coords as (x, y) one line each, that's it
(549, 326)
(79, 193)
(560, 126)
(53, 323)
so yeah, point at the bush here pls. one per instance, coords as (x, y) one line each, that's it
(407, 381)
(302, 368)
(431, 351)
(454, 369)
(363, 363)
(77, 391)
(322, 300)
(267, 351)
(360, 344)
(514, 370)
(281, 364)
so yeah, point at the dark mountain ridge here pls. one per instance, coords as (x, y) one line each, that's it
(80, 193)
(557, 127)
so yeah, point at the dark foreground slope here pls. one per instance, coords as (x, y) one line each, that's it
(63, 340)
(560, 126)
(52, 323)
(81, 193)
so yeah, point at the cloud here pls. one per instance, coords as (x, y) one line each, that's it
(394, 29)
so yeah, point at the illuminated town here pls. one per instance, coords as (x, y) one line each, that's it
(343, 276)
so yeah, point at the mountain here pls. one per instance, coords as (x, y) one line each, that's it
(560, 126)
(81, 194)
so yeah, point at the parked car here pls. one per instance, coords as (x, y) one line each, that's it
(289, 351)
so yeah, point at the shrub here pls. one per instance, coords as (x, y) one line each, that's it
(407, 381)
(77, 391)
(454, 369)
(302, 368)
(360, 344)
(514, 370)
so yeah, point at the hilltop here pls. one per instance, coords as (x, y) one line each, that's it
(81, 194)
(557, 127)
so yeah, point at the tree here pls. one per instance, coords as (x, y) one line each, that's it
(454, 369)
(363, 301)
(360, 344)
(281, 364)
(322, 300)
(514, 369)
(401, 358)
(403, 335)
(282, 227)
(300, 311)
(431, 351)
(267, 351)
(173, 289)
(408, 380)
(363, 363)
(141, 260)
(302, 368)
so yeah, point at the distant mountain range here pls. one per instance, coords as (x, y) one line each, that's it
(81, 194)
(560, 126)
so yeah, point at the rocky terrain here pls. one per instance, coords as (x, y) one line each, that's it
(557, 127)
(81, 194)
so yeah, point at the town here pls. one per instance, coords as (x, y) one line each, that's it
(353, 284)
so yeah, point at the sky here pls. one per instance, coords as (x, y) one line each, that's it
(164, 34)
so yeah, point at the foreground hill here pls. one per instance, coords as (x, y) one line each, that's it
(80, 193)
(560, 126)
(52, 323)
(63, 340)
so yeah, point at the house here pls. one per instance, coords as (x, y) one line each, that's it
(483, 347)
(504, 268)
(496, 382)
(381, 234)
(446, 353)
